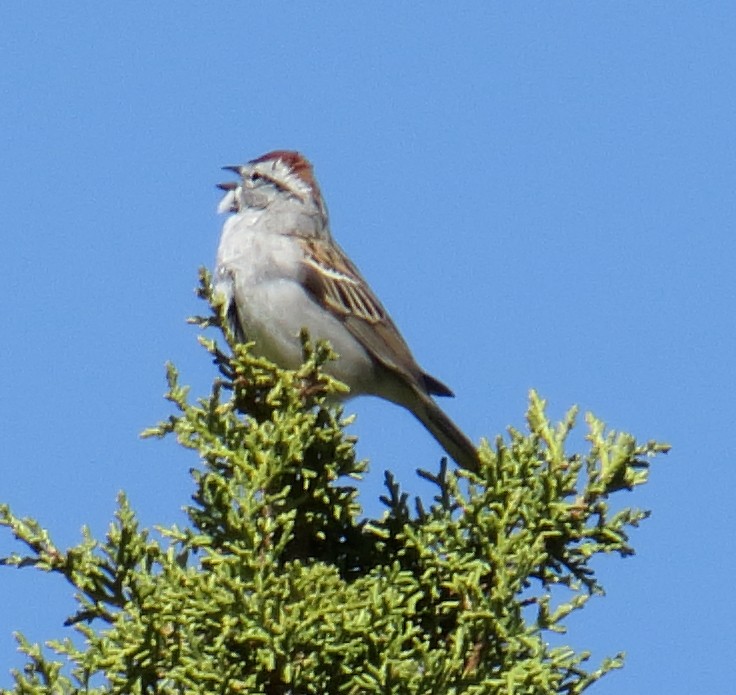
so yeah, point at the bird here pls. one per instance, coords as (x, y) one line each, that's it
(279, 271)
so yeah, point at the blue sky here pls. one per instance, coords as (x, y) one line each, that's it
(543, 195)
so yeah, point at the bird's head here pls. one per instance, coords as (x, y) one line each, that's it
(280, 179)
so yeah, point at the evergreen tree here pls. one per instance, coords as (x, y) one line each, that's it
(279, 584)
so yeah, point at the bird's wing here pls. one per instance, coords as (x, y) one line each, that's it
(338, 286)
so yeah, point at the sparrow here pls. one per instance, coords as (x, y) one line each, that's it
(279, 270)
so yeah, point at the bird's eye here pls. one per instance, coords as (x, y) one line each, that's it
(255, 176)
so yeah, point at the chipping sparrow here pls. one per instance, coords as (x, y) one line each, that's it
(279, 270)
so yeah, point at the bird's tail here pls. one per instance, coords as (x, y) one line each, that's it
(447, 433)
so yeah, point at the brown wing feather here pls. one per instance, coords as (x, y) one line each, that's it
(343, 288)
(337, 284)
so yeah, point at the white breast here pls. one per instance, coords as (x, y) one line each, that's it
(262, 272)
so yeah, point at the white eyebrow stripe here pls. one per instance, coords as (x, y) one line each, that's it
(280, 174)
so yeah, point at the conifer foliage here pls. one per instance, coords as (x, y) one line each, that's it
(279, 584)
